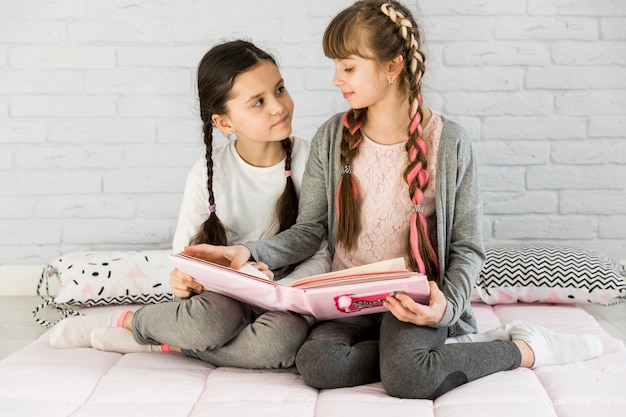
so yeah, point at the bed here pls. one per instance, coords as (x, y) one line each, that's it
(41, 381)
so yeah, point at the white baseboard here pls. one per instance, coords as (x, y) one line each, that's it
(19, 279)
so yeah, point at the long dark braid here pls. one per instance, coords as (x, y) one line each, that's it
(287, 204)
(212, 230)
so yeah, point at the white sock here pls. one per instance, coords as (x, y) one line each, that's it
(119, 339)
(551, 348)
(499, 333)
(75, 332)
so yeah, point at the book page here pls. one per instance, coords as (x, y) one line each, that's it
(379, 270)
(247, 268)
(396, 265)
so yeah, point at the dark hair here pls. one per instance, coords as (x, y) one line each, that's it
(217, 73)
(381, 31)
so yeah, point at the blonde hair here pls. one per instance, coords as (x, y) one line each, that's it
(381, 31)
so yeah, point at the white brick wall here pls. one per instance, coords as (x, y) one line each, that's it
(99, 123)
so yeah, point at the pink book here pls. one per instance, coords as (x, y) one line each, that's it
(350, 292)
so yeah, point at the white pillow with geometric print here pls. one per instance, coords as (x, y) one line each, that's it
(546, 273)
(100, 278)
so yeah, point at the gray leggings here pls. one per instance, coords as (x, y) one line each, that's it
(222, 331)
(414, 361)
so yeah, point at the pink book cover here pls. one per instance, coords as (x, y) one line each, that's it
(350, 292)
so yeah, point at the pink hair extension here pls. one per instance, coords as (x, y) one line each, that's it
(344, 120)
(413, 150)
(414, 107)
(429, 246)
(421, 175)
(337, 206)
(418, 197)
(415, 245)
(417, 118)
(414, 240)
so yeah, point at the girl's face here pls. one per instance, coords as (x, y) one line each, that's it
(361, 81)
(260, 108)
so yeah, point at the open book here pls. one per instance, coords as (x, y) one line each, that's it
(353, 291)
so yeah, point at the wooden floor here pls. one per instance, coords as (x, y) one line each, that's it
(18, 327)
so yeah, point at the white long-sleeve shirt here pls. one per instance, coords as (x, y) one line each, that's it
(245, 199)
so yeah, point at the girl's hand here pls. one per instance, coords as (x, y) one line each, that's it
(261, 266)
(405, 309)
(232, 256)
(183, 285)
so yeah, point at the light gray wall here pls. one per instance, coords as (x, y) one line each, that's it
(99, 123)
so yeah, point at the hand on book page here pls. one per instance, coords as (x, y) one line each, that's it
(234, 256)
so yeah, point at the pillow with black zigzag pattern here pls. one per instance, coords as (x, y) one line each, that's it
(101, 278)
(546, 273)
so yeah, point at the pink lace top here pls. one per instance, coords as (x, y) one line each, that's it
(386, 207)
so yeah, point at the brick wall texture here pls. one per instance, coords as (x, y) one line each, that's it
(99, 121)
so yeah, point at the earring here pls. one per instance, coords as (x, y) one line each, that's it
(390, 80)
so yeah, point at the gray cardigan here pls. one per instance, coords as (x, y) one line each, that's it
(458, 207)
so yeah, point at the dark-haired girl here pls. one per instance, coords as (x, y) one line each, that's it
(245, 190)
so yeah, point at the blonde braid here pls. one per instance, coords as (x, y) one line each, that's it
(405, 27)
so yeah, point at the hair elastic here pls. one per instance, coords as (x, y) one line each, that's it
(287, 173)
(346, 169)
(212, 208)
(418, 208)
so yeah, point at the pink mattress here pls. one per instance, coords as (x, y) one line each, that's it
(40, 381)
